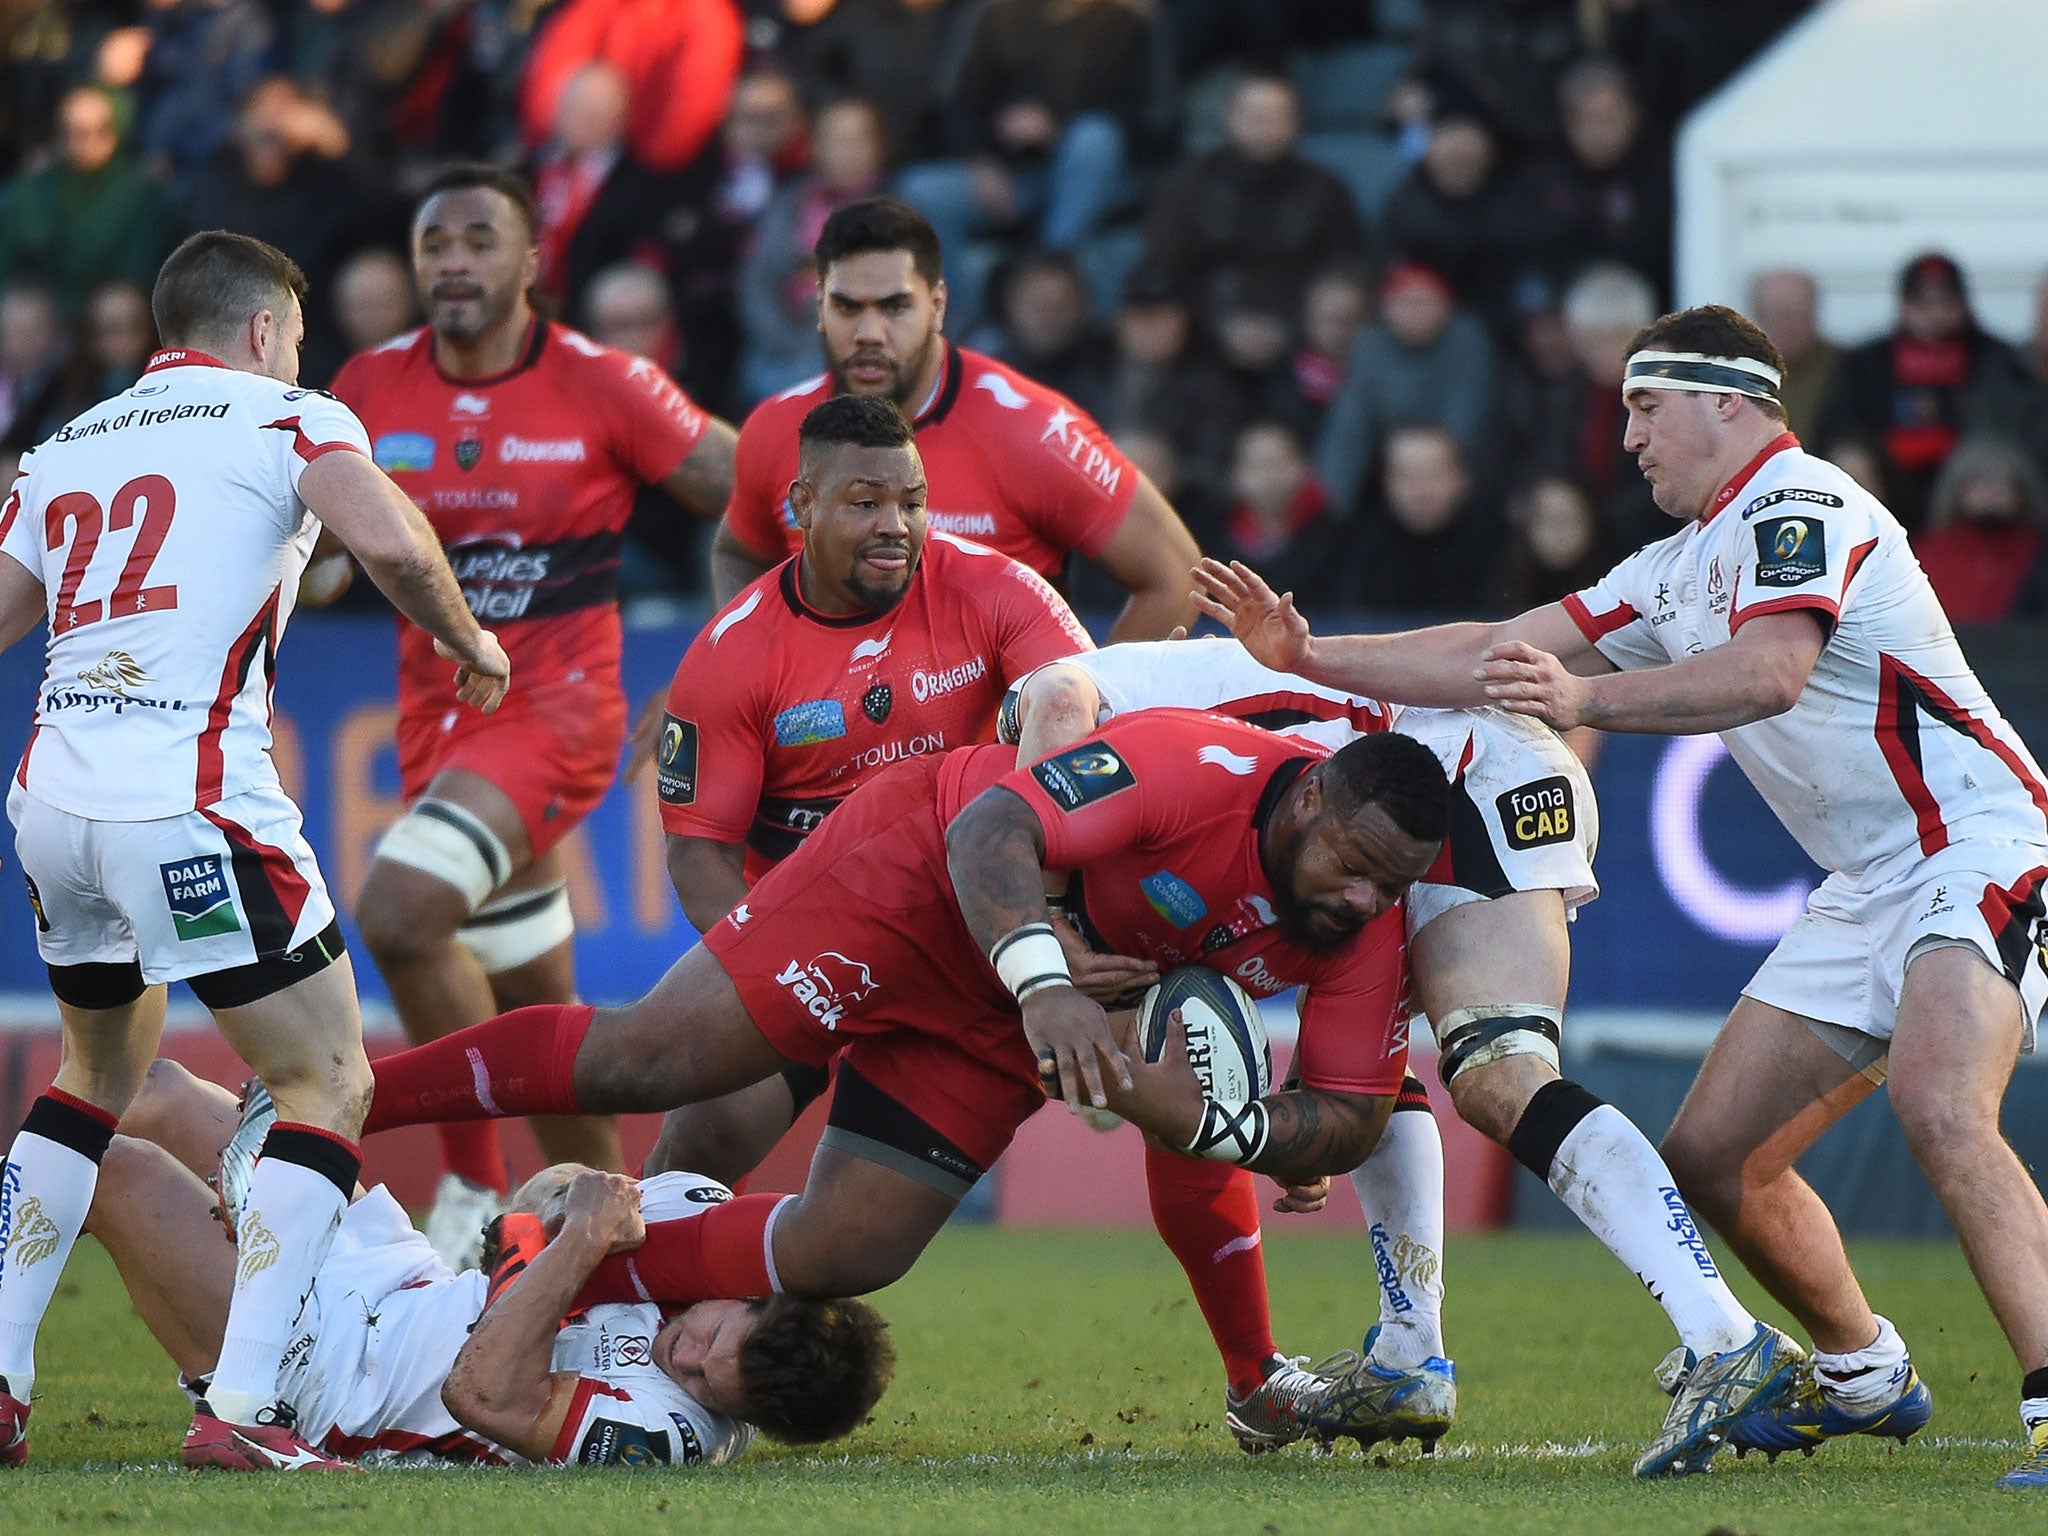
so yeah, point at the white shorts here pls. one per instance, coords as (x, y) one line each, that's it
(1843, 963)
(185, 895)
(373, 1347)
(1523, 816)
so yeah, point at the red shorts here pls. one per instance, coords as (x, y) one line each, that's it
(855, 943)
(553, 750)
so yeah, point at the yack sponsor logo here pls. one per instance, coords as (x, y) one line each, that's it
(827, 986)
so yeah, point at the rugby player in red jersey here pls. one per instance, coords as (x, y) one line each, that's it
(524, 443)
(875, 938)
(1013, 465)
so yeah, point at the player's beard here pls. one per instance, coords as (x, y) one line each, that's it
(875, 597)
(903, 376)
(1298, 926)
(479, 314)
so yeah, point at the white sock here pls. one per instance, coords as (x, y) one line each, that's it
(288, 1221)
(1401, 1191)
(2033, 1412)
(45, 1190)
(1866, 1379)
(1615, 1182)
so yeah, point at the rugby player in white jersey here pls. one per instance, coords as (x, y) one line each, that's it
(1789, 615)
(397, 1358)
(1491, 959)
(162, 535)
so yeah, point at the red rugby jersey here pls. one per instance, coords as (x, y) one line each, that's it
(528, 477)
(1011, 464)
(1159, 811)
(779, 712)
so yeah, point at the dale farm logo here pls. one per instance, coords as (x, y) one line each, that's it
(197, 891)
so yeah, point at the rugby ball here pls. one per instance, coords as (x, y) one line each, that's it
(1227, 1044)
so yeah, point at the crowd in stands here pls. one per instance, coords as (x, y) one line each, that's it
(1353, 280)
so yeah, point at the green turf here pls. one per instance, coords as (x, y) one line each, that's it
(1058, 1382)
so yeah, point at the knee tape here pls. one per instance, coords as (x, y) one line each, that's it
(1471, 1037)
(439, 838)
(506, 933)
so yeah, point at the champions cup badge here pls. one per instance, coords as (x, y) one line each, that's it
(467, 452)
(875, 703)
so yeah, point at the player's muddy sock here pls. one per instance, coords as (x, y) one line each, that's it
(470, 1149)
(1863, 1380)
(1605, 1170)
(520, 1063)
(1401, 1191)
(723, 1253)
(1208, 1213)
(297, 1195)
(45, 1190)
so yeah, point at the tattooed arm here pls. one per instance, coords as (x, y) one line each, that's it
(995, 854)
(1317, 1133)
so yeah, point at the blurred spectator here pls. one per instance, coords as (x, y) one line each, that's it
(1164, 387)
(888, 52)
(1938, 376)
(2035, 350)
(1429, 546)
(1985, 530)
(1041, 118)
(1579, 433)
(1556, 545)
(1423, 360)
(627, 307)
(120, 335)
(1280, 520)
(1456, 214)
(1334, 312)
(1508, 54)
(1252, 214)
(204, 57)
(1680, 51)
(1786, 304)
(597, 205)
(1861, 463)
(374, 300)
(714, 206)
(679, 58)
(34, 349)
(779, 279)
(1608, 197)
(91, 217)
(1048, 330)
(282, 181)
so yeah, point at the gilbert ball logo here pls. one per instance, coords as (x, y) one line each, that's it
(201, 904)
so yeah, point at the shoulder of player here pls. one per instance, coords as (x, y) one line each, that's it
(1796, 481)
(745, 627)
(385, 359)
(996, 397)
(780, 411)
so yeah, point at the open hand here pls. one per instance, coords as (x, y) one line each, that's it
(1528, 681)
(1266, 623)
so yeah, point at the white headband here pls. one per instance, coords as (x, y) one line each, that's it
(1701, 374)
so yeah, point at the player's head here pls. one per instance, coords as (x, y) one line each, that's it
(1701, 388)
(799, 1371)
(881, 298)
(859, 497)
(235, 298)
(474, 251)
(1357, 831)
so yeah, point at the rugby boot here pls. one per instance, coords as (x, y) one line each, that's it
(237, 1164)
(13, 1427)
(511, 1242)
(1710, 1395)
(1279, 1410)
(2033, 1472)
(1370, 1402)
(455, 1223)
(271, 1445)
(1805, 1417)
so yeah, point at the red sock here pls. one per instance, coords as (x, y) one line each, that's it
(471, 1149)
(520, 1063)
(724, 1252)
(1208, 1213)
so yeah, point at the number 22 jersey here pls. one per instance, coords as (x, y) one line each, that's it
(166, 527)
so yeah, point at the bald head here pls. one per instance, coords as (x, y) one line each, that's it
(591, 114)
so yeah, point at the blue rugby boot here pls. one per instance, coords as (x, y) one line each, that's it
(1805, 1417)
(1710, 1395)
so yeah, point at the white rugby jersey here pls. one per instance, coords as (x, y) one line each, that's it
(167, 528)
(1894, 750)
(392, 1321)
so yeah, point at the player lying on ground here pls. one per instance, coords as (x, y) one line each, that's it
(396, 1357)
(526, 445)
(875, 937)
(1790, 616)
(879, 642)
(157, 842)
(1490, 957)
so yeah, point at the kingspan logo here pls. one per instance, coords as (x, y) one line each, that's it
(1389, 1272)
(1689, 1238)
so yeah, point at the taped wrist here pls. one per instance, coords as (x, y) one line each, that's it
(1029, 959)
(1231, 1133)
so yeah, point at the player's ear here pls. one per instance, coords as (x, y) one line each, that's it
(803, 501)
(939, 305)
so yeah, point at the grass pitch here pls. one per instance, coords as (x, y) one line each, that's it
(1063, 1382)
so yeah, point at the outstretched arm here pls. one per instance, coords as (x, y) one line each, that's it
(1439, 666)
